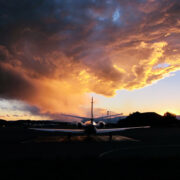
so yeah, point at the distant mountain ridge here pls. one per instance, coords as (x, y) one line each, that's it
(135, 119)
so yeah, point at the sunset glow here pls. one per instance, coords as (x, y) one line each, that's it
(56, 54)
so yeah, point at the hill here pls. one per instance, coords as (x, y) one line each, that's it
(149, 119)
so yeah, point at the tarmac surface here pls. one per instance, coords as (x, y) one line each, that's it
(139, 154)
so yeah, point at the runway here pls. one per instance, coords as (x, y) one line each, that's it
(137, 154)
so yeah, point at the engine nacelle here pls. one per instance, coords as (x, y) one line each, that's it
(101, 124)
(80, 125)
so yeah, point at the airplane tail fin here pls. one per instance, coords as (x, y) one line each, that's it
(92, 116)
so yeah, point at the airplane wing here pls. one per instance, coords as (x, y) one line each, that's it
(82, 132)
(60, 131)
(113, 130)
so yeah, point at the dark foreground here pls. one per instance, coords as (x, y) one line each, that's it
(135, 154)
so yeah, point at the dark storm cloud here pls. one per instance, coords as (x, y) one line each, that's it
(13, 85)
(53, 51)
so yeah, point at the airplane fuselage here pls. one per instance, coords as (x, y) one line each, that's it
(90, 129)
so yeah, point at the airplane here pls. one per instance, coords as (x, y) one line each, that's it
(88, 128)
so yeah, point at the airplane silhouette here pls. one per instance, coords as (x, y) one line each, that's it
(90, 127)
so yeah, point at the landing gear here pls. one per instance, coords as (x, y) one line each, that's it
(110, 137)
(69, 136)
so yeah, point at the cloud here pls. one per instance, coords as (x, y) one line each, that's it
(13, 84)
(54, 52)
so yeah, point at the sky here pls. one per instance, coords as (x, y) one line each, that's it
(56, 54)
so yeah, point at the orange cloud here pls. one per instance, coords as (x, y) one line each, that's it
(52, 63)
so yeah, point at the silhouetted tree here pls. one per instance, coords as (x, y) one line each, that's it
(169, 117)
